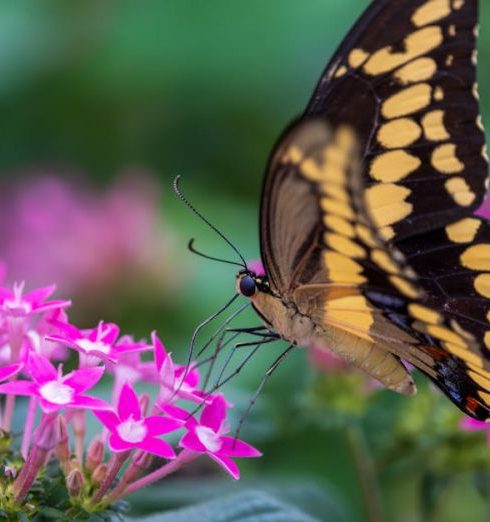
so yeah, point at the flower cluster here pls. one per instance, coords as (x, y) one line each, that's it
(180, 424)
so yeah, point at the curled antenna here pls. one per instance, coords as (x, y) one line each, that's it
(191, 247)
(209, 224)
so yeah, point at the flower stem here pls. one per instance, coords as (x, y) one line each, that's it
(367, 474)
(184, 457)
(31, 417)
(115, 465)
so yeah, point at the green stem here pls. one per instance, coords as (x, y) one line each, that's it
(366, 472)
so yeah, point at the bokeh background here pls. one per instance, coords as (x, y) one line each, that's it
(102, 104)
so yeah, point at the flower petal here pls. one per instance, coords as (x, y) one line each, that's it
(110, 333)
(157, 447)
(161, 425)
(40, 294)
(469, 424)
(108, 418)
(178, 413)
(214, 414)
(19, 388)
(118, 444)
(128, 404)
(88, 402)
(40, 369)
(191, 442)
(237, 448)
(7, 371)
(84, 379)
(227, 464)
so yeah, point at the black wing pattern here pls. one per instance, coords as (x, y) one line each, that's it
(399, 237)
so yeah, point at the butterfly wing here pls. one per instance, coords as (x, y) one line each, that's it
(408, 67)
(339, 270)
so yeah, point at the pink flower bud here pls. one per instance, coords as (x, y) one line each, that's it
(74, 483)
(99, 474)
(46, 437)
(95, 454)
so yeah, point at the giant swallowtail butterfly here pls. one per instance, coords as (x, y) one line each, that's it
(368, 237)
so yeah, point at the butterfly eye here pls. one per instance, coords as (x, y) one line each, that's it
(247, 286)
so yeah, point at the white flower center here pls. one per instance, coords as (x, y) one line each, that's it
(89, 346)
(210, 440)
(17, 306)
(132, 430)
(57, 392)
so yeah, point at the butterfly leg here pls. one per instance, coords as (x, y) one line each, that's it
(272, 368)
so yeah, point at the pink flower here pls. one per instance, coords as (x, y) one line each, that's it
(208, 436)
(14, 304)
(177, 382)
(130, 429)
(101, 342)
(54, 390)
(469, 424)
(9, 371)
(257, 267)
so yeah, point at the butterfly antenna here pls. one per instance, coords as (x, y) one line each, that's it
(191, 247)
(210, 225)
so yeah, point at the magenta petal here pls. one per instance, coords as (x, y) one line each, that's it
(118, 444)
(178, 413)
(110, 333)
(68, 332)
(128, 404)
(40, 369)
(19, 388)
(49, 407)
(90, 403)
(108, 418)
(7, 371)
(227, 464)
(6, 294)
(84, 379)
(191, 442)
(50, 305)
(237, 448)
(40, 294)
(214, 414)
(161, 425)
(157, 447)
(159, 352)
(470, 424)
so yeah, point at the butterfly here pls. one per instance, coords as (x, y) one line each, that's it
(367, 232)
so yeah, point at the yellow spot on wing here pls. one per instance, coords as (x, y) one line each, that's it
(339, 225)
(417, 71)
(487, 339)
(399, 133)
(433, 124)
(416, 44)
(463, 231)
(444, 159)
(384, 261)
(342, 269)
(293, 155)
(477, 257)
(357, 57)
(393, 166)
(463, 353)
(431, 11)
(460, 191)
(438, 94)
(482, 381)
(404, 287)
(336, 207)
(340, 71)
(424, 314)
(458, 4)
(407, 101)
(386, 203)
(352, 310)
(365, 235)
(445, 334)
(482, 284)
(344, 245)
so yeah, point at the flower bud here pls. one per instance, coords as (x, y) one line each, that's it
(99, 474)
(62, 447)
(74, 483)
(46, 437)
(95, 454)
(142, 460)
(144, 403)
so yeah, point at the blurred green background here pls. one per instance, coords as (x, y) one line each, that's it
(90, 90)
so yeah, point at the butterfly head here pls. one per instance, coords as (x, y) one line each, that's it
(248, 283)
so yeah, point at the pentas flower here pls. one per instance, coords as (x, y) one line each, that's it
(176, 382)
(209, 436)
(257, 267)
(55, 391)
(14, 303)
(469, 424)
(101, 342)
(130, 429)
(9, 371)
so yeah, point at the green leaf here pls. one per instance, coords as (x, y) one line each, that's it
(249, 506)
